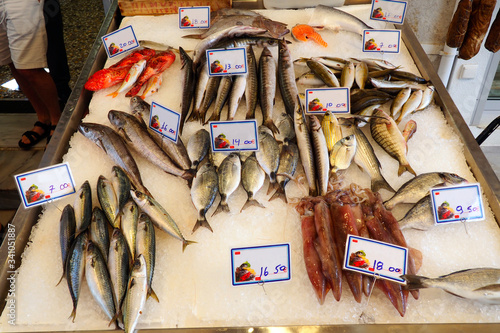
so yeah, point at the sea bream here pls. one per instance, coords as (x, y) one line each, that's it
(203, 192)
(268, 154)
(229, 175)
(198, 147)
(252, 179)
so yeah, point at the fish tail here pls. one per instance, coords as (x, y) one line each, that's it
(195, 115)
(401, 115)
(188, 175)
(213, 117)
(251, 202)
(193, 36)
(403, 168)
(377, 184)
(151, 293)
(113, 94)
(202, 222)
(63, 274)
(280, 193)
(185, 243)
(415, 281)
(270, 124)
(273, 185)
(116, 317)
(223, 207)
(73, 314)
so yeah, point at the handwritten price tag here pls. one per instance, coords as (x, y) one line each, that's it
(381, 41)
(269, 263)
(194, 17)
(372, 257)
(164, 121)
(227, 62)
(456, 203)
(39, 186)
(234, 135)
(388, 11)
(120, 41)
(320, 100)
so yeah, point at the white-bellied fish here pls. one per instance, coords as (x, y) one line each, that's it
(399, 101)
(118, 265)
(427, 97)
(237, 92)
(121, 185)
(99, 233)
(201, 86)
(331, 129)
(336, 19)
(286, 78)
(361, 74)
(137, 291)
(222, 96)
(130, 217)
(420, 216)
(131, 77)
(75, 267)
(152, 85)
(229, 176)
(343, 153)
(146, 246)
(289, 159)
(285, 125)
(348, 75)
(198, 147)
(411, 104)
(305, 148)
(268, 155)
(203, 192)
(67, 227)
(83, 207)
(252, 84)
(320, 154)
(252, 179)
(323, 72)
(108, 200)
(267, 87)
(188, 85)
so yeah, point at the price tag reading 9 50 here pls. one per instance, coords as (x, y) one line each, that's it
(234, 135)
(120, 41)
(388, 11)
(457, 203)
(320, 100)
(227, 62)
(371, 257)
(194, 17)
(164, 121)
(269, 263)
(387, 41)
(42, 185)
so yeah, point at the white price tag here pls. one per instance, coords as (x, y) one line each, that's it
(371, 257)
(388, 11)
(164, 121)
(194, 17)
(320, 100)
(120, 41)
(227, 62)
(387, 41)
(457, 203)
(39, 186)
(234, 135)
(269, 263)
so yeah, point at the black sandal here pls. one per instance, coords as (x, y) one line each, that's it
(34, 137)
(52, 128)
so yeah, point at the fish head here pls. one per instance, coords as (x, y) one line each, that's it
(116, 118)
(91, 131)
(138, 197)
(349, 141)
(283, 48)
(452, 178)
(266, 52)
(263, 130)
(315, 124)
(139, 267)
(90, 252)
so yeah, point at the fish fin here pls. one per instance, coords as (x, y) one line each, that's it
(73, 314)
(377, 184)
(63, 274)
(270, 124)
(403, 168)
(188, 175)
(202, 223)
(287, 175)
(186, 243)
(415, 281)
(213, 117)
(195, 115)
(280, 193)
(251, 202)
(152, 294)
(193, 36)
(489, 288)
(273, 186)
(115, 317)
(113, 94)
(223, 207)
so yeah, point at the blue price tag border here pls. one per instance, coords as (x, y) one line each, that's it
(39, 202)
(367, 272)
(390, 21)
(233, 268)
(106, 46)
(199, 26)
(224, 50)
(161, 132)
(233, 122)
(335, 112)
(454, 220)
(381, 51)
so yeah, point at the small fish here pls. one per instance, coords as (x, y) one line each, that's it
(252, 84)
(118, 265)
(427, 98)
(201, 85)
(285, 126)
(477, 284)
(420, 216)
(399, 101)
(108, 200)
(75, 267)
(198, 147)
(320, 154)
(402, 75)
(323, 72)
(131, 77)
(267, 87)
(411, 104)
(139, 106)
(286, 78)
(379, 83)
(152, 85)
(304, 32)
(203, 192)
(130, 218)
(121, 185)
(137, 292)
(306, 151)
(409, 130)
(361, 74)
(309, 79)
(83, 207)
(348, 75)
(99, 233)
(209, 96)
(223, 92)
(252, 179)
(343, 153)
(67, 227)
(229, 175)
(268, 155)
(236, 94)
(289, 159)
(146, 247)
(331, 129)
(188, 85)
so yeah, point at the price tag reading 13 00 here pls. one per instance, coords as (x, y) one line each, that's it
(227, 62)
(372, 257)
(457, 203)
(164, 121)
(120, 41)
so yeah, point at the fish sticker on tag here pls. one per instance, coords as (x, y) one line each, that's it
(379, 259)
(388, 11)
(227, 62)
(457, 203)
(120, 41)
(260, 264)
(164, 121)
(227, 136)
(194, 17)
(320, 100)
(385, 41)
(46, 184)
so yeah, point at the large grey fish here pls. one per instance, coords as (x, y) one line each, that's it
(336, 19)
(305, 148)
(419, 186)
(98, 280)
(289, 158)
(75, 267)
(108, 200)
(320, 154)
(343, 153)
(137, 136)
(130, 218)
(137, 291)
(203, 192)
(225, 13)
(159, 216)
(229, 175)
(146, 246)
(118, 265)
(99, 233)
(477, 284)
(420, 216)
(285, 125)
(252, 85)
(223, 92)
(121, 185)
(323, 72)
(252, 179)
(188, 85)
(201, 85)
(198, 147)
(67, 228)
(83, 207)
(267, 88)
(237, 92)
(114, 146)
(268, 154)
(286, 78)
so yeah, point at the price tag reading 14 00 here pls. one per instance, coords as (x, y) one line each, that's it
(120, 41)
(457, 203)
(229, 136)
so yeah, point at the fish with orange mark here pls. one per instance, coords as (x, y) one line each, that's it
(131, 77)
(152, 86)
(304, 32)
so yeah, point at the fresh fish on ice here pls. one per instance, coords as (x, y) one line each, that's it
(198, 147)
(229, 175)
(146, 246)
(83, 207)
(203, 192)
(252, 179)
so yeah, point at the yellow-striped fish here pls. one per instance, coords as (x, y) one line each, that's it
(331, 129)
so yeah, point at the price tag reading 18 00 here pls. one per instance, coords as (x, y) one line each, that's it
(457, 203)
(42, 185)
(194, 17)
(227, 62)
(259, 264)
(372, 257)
(164, 121)
(234, 135)
(388, 11)
(320, 100)
(387, 41)
(120, 41)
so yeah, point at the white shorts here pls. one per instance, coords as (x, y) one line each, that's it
(23, 38)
